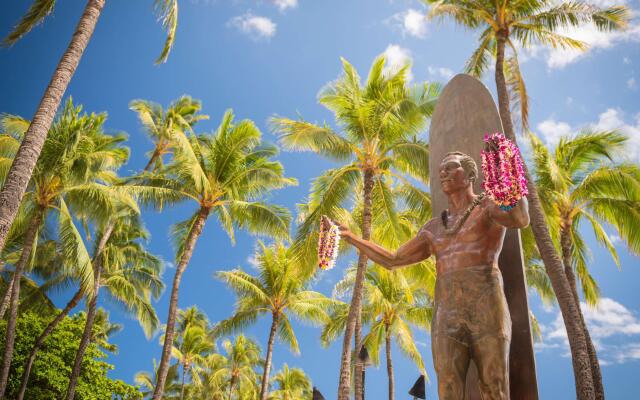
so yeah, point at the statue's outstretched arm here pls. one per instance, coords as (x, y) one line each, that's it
(413, 251)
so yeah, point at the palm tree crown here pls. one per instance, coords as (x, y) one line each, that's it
(579, 182)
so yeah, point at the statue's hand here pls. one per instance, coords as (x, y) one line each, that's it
(345, 232)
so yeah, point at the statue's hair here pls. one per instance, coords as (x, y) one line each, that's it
(468, 164)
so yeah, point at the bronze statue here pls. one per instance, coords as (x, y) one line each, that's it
(471, 318)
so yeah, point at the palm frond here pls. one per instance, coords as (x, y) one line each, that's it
(38, 11)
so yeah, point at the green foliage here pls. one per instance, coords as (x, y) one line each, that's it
(51, 369)
(523, 24)
(281, 289)
(380, 121)
(580, 182)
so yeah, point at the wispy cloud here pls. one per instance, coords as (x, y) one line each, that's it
(612, 119)
(552, 130)
(397, 57)
(440, 72)
(411, 23)
(285, 4)
(254, 26)
(595, 39)
(632, 84)
(614, 329)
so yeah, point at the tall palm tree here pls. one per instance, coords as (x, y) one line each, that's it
(580, 182)
(130, 274)
(280, 289)
(71, 173)
(25, 161)
(161, 125)
(191, 350)
(291, 384)
(503, 26)
(379, 122)
(225, 173)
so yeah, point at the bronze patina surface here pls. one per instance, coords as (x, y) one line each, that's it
(467, 260)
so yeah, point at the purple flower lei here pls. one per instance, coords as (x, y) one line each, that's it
(504, 178)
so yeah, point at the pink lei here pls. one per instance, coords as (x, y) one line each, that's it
(504, 177)
(328, 243)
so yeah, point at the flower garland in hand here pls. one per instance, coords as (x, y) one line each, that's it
(328, 242)
(504, 177)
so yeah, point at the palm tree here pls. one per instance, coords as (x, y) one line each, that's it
(280, 289)
(579, 182)
(234, 371)
(70, 174)
(380, 121)
(24, 163)
(225, 173)
(147, 382)
(130, 274)
(291, 384)
(190, 351)
(395, 303)
(505, 25)
(160, 125)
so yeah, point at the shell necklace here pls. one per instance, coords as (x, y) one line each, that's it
(458, 225)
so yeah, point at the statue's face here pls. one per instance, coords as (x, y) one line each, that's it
(453, 177)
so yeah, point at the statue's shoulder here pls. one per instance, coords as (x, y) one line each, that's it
(429, 226)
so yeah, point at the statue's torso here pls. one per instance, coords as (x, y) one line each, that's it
(478, 242)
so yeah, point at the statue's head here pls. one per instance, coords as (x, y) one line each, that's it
(457, 171)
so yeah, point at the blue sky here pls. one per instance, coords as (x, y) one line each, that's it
(271, 57)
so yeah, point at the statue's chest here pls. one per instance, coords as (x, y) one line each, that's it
(475, 229)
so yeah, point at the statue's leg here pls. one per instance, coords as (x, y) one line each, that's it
(491, 355)
(451, 361)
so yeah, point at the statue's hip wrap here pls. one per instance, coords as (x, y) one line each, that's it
(471, 321)
(470, 304)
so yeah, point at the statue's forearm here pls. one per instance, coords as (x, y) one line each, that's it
(519, 215)
(377, 254)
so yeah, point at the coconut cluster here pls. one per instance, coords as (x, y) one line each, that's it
(503, 169)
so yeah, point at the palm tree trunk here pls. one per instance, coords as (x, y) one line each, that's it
(40, 340)
(190, 244)
(7, 297)
(553, 263)
(84, 342)
(387, 338)
(27, 248)
(231, 384)
(184, 371)
(565, 241)
(91, 312)
(152, 161)
(264, 390)
(356, 299)
(25, 160)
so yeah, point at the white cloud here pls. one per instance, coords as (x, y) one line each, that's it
(615, 239)
(612, 119)
(597, 40)
(626, 60)
(552, 130)
(569, 101)
(397, 57)
(284, 4)
(632, 84)
(254, 26)
(253, 261)
(614, 329)
(442, 72)
(410, 23)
